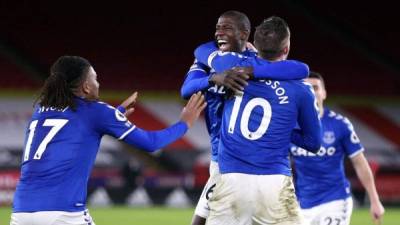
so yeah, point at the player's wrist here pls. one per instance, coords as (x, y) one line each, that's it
(121, 109)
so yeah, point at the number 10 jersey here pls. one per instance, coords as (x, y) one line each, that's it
(257, 126)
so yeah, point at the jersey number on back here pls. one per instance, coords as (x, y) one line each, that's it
(56, 125)
(244, 122)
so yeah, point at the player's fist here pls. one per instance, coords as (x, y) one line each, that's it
(193, 108)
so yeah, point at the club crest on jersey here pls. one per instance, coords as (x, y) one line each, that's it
(354, 138)
(120, 116)
(329, 137)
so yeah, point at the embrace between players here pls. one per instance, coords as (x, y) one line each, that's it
(258, 110)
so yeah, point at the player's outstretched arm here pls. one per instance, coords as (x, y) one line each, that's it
(366, 177)
(154, 140)
(209, 54)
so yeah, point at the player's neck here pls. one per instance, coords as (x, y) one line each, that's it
(321, 111)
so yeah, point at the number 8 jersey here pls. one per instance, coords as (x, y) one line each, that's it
(257, 127)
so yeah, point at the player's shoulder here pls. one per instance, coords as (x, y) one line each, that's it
(101, 105)
(243, 55)
(337, 118)
(301, 86)
(94, 105)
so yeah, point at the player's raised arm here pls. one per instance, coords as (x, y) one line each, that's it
(309, 136)
(209, 54)
(197, 79)
(154, 140)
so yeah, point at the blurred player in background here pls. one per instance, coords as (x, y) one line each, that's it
(321, 184)
(232, 33)
(63, 138)
(255, 185)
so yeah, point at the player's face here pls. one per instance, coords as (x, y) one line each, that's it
(319, 90)
(90, 85)
(228, 35)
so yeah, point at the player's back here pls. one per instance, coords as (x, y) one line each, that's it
(60, 149)
(257, 126)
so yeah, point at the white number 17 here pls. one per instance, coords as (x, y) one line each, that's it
(56, 125)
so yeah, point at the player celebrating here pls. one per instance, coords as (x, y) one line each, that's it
(63, 138)
(321, 185)
(255, 185)
(232, 32)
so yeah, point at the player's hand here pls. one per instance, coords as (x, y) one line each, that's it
(377, 212)
(250, 46)
(234, 79)
(129, 103)
(193, 108)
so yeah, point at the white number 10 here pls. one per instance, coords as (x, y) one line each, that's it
(244, 122)
(56, 125)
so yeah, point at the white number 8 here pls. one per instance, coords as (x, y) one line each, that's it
(244, 122)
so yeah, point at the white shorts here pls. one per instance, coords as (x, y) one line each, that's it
(52, 218)
(336, 212)
(202, 208)
(245, 199)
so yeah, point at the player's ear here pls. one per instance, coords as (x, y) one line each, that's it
(85, 87)
(244, 35)
(285, 50)
(323, 94)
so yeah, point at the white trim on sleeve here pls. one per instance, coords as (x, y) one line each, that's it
(356, 153)
(196, 69)
(127, 132)
(211, 57)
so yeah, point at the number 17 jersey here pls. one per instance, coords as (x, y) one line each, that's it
(60, 150)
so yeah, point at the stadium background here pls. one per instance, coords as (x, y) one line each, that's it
(149, 46)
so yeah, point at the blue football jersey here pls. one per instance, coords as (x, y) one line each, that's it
(61, 148)
(257, 126)
(199, 72)
(214, 96)
(320, 177)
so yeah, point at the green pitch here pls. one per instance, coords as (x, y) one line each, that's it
(162, 216)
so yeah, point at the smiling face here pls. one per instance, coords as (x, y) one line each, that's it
(229, 36)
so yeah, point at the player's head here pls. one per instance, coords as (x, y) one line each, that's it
(272, 38)
(232, 31)
(318, 84)
(69, 76)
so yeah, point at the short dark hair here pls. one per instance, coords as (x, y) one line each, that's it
(240, 18)
(66, 75)
(270, 37)
(318, 76)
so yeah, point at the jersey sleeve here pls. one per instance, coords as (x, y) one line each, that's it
(153, 140)
(196, 79)
(209, 55)
(113, 122)
(350, 141)
(309, 134)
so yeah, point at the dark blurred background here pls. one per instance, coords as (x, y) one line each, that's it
(148, 46)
